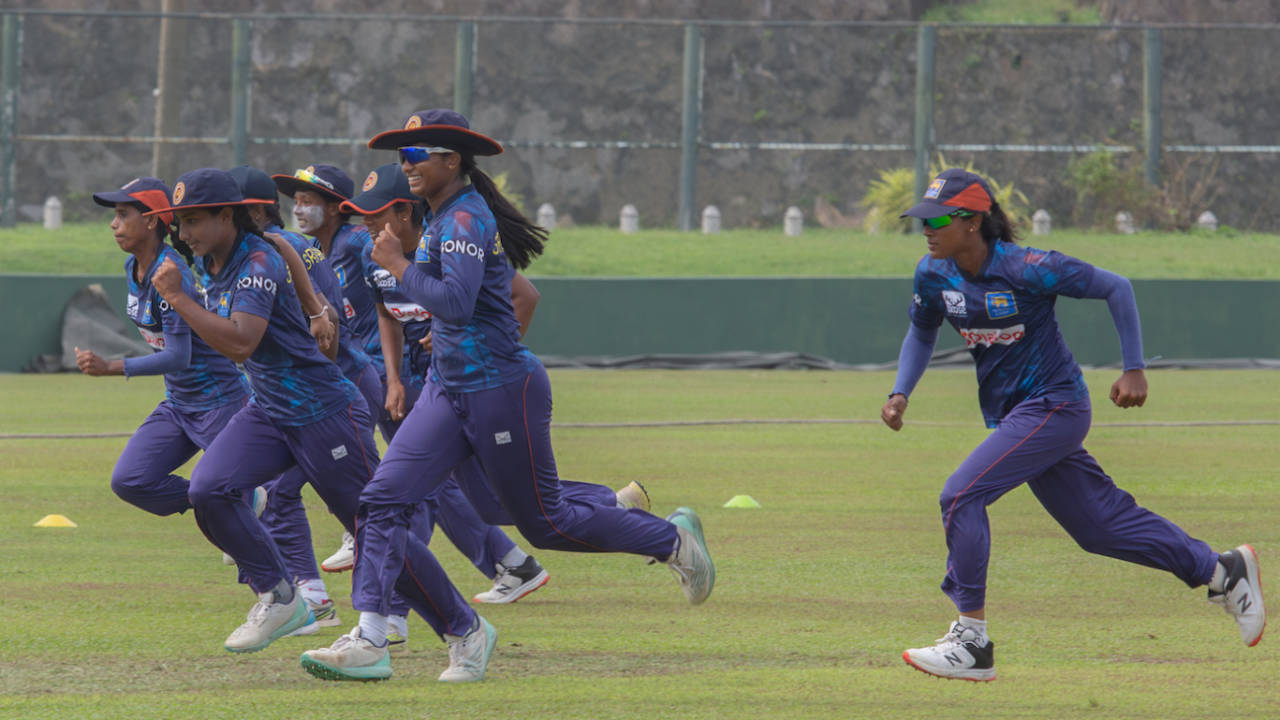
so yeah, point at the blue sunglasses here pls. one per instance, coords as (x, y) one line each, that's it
(415, 155)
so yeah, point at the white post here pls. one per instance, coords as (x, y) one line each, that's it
(793, 222)
(52, 213)
(547, 216)
(1124, 223)
(629, 219)
(1207, 221)
(710, 220)
(1041, 223)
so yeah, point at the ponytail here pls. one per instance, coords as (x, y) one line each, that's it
(164, 232)
(996, 226)
(182, 248)
(522, 240)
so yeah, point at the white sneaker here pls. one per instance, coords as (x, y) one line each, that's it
(469, 655)
(511, 584)
(961, 654)
(633, 496)
(268, 621)
(1241, 595)
(350, 657)
(344, 558)
(691, 562)
(323, 614)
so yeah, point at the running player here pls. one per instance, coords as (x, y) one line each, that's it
(1000, 298)
(303, 413)
(486, 396)
(385, 202)
(284, 516)
(203, 389)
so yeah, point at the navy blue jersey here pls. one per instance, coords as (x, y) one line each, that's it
(414, 319)
(1005, 316)
(357, 299)
(461, 275)
(292, 381)
(210, 380)
(351, 356)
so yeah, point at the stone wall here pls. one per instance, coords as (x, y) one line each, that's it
(538, 80)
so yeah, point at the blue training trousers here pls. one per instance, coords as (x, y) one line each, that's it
(1040, 442)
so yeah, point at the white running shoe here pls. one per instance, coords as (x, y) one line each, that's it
(268, 621)
(469, 655)
(228, 560)
(323, 614)
(691, 562)
(1241, 594)
(511, 584)
(633, 496)
(350, 657)
(961, 654)
(344, 558)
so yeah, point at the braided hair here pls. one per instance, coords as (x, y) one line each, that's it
(522, 240)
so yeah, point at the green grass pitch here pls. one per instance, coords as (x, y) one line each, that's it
(818, 592)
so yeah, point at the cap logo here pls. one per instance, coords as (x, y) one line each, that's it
(413, 122)
(179, 191)
(311, 169)
(370, 181)
(935, 189)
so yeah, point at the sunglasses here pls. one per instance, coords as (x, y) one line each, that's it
(415, 155)
(940, 222)
(310, 177)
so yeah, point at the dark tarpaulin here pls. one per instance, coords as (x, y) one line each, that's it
(90, 323)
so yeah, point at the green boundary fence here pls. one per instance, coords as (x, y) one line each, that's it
(851, 320)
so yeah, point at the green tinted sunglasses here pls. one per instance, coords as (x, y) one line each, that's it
(940, 222)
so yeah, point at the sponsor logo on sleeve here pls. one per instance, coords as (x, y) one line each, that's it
(1001, 305)
(152, 337)
(311, 256)
(954, 300)
(973, 337)
(384, 279)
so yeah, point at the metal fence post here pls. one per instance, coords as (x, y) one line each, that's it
(1151, 87)
(691, 119)
(241, 47)
(9, 116)
(926, 46)
(464, 67)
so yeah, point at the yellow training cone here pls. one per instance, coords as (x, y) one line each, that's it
(55, 521)
(742, 501)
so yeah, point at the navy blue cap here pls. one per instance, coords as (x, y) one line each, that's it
(254, 183)
(328, 180)
(205, 188)
(953, 189)
(150, 192)
(439, 128)
(385, 186)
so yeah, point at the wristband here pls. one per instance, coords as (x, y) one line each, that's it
(323, 310)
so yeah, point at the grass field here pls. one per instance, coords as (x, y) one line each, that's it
(818, 592)
(599, 251)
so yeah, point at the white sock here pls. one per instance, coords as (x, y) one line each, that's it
(1218, 583)
(515, 558)
(398, 624)
(979, 626)
(373, 627)
(313, 590)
